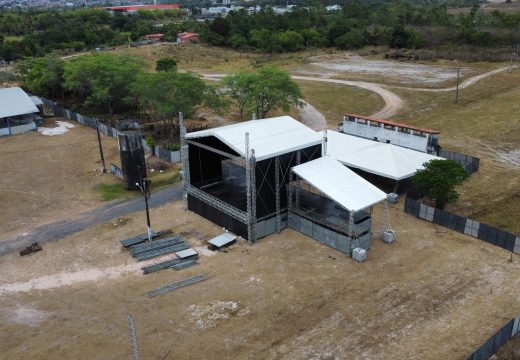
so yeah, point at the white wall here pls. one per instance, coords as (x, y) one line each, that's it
(400, 138)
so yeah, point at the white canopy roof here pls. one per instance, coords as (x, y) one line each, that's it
(14, 101)
(268, 137)
(387, 160)
(339, 183)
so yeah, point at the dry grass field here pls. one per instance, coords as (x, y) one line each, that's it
(434, 294)
(46, 178)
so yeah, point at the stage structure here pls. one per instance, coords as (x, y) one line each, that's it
(333, 205)
(237, 175)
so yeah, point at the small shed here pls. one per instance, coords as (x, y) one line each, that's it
(18, 112)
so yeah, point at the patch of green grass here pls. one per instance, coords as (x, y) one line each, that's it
(111, 191)
(9, 38)
(334, 100)
(166, 178)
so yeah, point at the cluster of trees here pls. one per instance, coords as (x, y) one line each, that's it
(108, 83)
(111, 83)
(36, 33)
(399, 24)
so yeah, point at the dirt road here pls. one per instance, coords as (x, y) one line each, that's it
(60, 229)
(311, 117)
(393, 103)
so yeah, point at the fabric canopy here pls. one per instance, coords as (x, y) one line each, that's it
(14, 101)
(268, 137)
(339, 183)
(387, 160)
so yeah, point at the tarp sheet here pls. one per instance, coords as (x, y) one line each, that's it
(387, 160)
(339, 183)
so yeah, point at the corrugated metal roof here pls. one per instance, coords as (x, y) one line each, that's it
(268, 137)
(339, 183)
(14, 101)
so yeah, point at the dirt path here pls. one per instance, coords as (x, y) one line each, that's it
(466, 83)
(393, 103)
(59, 229)
(312, 117)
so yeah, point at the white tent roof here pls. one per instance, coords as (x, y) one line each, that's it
(387, 160)
(268, 137)
(36, 100)
(339, 183)
(14, 101)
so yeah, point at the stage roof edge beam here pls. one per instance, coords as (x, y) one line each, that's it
(269, 137)
(340, 184)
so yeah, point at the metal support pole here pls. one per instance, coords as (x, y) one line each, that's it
(289, 197)
(103, 169)
(298, 181)
(457, 90)
(253, 195)
(384, 219)
(248, 192)
(133, 338)
(9, 126)
(324, 144)
(254, 116)
(277, 195)
(184, 159)
(146, 196)
(351, 232)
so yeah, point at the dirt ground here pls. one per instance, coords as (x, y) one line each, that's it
(47, 177)
(434, 294)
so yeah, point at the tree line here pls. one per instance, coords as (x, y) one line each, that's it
(39, 32)
(117, 84)
(397, 24)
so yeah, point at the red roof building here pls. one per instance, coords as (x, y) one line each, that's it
(187, 37)
(155, 37)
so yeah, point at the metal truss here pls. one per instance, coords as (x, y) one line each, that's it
(133, 337)
(298, 181)
(217, 204)
(324, 144)
(234, 159)
(277, 193)
(254, 195)
(249, 223)
(385, 223)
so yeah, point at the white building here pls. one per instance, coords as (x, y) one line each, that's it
(18, 112)
(412, 137)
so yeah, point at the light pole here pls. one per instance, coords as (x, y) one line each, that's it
(146, 195)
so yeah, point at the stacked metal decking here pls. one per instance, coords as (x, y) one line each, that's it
(156, 248)
(176, 264)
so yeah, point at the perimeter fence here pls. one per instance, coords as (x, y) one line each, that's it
(495, 342)
(58, 110)
(506, 240)
(470, 163)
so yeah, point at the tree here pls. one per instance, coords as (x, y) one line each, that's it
(166, 64)
(290, 40)
(239, 87)
(167, 93)
(103, 80)
(274, 89)
(438, 180)
(170, 92)
(43, 76)
(266, 89)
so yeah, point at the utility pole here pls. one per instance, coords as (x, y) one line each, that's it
(146, 194)
(457, 90)
(104, 169)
